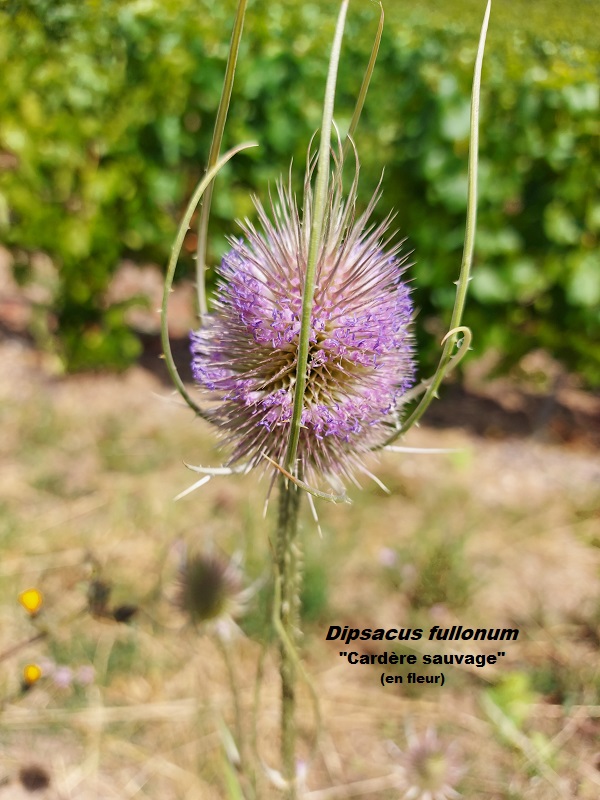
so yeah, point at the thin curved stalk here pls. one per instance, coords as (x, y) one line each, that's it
(447, 360)
(365, 84)
(240, 743)
(213, 156)
(433, 384)
(20, 645)
(175, 251)
(317, 222)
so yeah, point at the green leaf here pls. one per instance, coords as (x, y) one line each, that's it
(584, 285)
(489, 285)
(559, 225)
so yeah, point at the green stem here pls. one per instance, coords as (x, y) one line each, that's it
(206, 181)
(288, 578)
(229, 665)
(318, 213)
(365, 85)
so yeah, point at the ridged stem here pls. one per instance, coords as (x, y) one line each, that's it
(288, 578)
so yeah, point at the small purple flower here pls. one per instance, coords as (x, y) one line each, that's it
(63, 677)
(360, 359)
(47, 666)
(387, 557)
(85, 675)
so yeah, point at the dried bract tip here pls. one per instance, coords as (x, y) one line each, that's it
(360, 358)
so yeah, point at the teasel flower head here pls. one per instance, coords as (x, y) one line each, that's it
(429, 770)
(210, 590)
(34, 777)
(360, 359)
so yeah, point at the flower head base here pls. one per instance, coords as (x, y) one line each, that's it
(360, 358)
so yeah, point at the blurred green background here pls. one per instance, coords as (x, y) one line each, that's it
(106, 117)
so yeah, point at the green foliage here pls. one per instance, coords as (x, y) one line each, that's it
(537, 272)
(514, 696)
(107, 112)
(93, 113)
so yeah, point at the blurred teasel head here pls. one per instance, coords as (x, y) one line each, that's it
(34, 777)
(428, 769)
(360, 353)
(210, 589)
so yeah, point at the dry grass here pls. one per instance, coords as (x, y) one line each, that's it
(499, 534)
